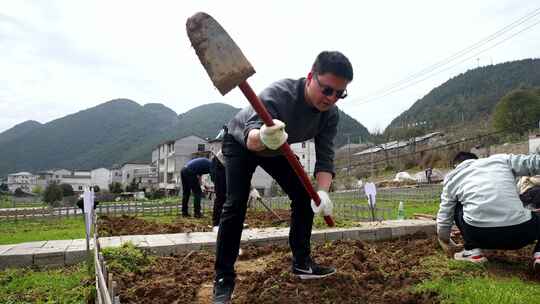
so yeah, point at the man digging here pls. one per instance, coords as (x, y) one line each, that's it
(302, 109)
(481, 197)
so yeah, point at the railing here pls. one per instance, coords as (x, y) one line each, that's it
(350, 204)
(106, 286)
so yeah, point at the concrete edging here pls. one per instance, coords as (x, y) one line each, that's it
(68, 252)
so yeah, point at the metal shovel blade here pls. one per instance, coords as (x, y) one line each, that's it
(221, 57)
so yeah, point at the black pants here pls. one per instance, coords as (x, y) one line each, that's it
(240, 164)
(220, 189)
(508, 237)
(190, 183)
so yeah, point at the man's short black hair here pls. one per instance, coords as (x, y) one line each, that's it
(335, 63)
(462, 156)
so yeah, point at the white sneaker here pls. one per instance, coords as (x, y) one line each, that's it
(474, 255)
(536, 262)
(215, 228)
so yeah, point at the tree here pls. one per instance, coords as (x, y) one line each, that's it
(4, 187)
(67, 190)
(133, 186)
(115, 187)
(53, 193)
(518, 111)
(18, 192)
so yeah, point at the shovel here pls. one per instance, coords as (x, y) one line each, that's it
(228, 68)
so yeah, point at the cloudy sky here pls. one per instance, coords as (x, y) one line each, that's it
(60, 57)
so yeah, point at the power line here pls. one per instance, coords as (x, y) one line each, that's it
(397, 85)
(448, 68)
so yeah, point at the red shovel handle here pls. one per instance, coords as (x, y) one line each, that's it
(285, 148)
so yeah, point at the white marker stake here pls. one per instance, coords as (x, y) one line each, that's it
(88, 198)
(371, 193)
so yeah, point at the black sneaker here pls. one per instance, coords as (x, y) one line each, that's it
(223, 289)
(312, 270)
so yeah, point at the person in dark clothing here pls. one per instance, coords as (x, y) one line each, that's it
(429, 171)
(190, 175)
(220, 184)
(302, 109)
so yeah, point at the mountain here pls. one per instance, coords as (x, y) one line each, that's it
(114, 132)
(19, 130)
(470, 96)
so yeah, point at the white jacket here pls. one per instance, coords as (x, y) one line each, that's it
(487, 190)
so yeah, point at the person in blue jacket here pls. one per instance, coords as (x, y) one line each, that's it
(190, 176)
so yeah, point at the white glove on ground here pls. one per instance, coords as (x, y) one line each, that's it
(273, 137)
(326, 205)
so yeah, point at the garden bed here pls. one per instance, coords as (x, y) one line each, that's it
(408, 270)
(367, 273)
(131, 225)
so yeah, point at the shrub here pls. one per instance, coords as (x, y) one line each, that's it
(155, 194)
(115, 187)
(133, 186)
(18, 192)
(53, 194)
(67, 190)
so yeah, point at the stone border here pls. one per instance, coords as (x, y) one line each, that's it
(69, 252)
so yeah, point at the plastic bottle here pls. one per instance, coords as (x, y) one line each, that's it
(401, 211)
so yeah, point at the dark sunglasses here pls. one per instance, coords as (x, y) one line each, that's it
(328, 91)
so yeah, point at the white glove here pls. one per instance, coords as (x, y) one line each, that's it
(273, 137)
(326, 205)
(254, 194)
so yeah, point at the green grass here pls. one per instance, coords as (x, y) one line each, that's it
(6, 202)
(66, 285)
(12, 232)
(468, 283)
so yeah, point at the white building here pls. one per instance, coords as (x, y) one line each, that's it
(78, 179)
(170, 157)
(116, 174)
(534, 143)
(146, 177)
(100, 177)
(57, 175)
(306, 155)
(44, 178)
(128, 171)
(24, 180)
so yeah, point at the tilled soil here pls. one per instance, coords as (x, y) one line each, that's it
(367, 273)
(130, 225)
